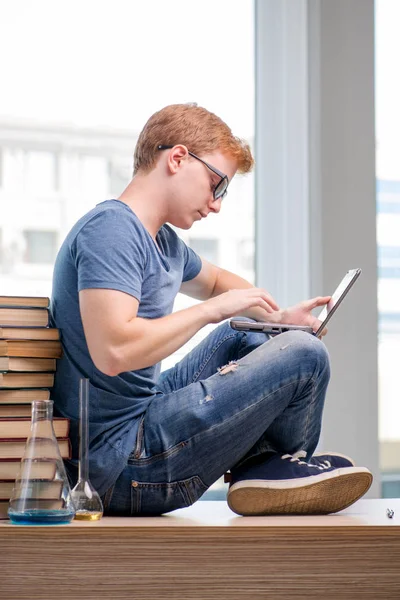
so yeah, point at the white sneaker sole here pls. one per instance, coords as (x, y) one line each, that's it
(318, 494)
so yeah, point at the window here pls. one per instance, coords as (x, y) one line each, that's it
(388, 228)
(99, 97)
(389, 262)
(41, 172)
(119, 172)
(41, 247)
(206, 248)
(245, 255)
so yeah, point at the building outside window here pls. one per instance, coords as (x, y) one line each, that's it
(41, 172)
(40, 246)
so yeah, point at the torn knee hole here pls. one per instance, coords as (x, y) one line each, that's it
(207, 398)
(230, 367)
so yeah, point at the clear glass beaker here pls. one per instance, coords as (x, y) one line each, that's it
(87, 501)
(37, 501)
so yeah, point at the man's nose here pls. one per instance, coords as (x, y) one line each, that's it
(215, 205)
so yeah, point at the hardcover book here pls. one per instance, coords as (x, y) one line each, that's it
(16, 363)
(46, 490)
(16, 448)
(25, 301)
(26, 380)
(15, 410)
(19, 428)
(31, 348)
(24, 317)
(22, 396)
(29, 333)
(43, 469)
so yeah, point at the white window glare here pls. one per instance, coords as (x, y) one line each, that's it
(41, 172)
(387, 94)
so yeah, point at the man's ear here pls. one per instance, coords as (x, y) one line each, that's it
(177, 156)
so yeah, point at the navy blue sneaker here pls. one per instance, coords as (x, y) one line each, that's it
(333, 459)
(286, 485)
(328, 459)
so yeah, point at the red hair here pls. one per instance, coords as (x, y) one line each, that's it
(201, 131)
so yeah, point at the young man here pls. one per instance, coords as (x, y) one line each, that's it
(239, 401)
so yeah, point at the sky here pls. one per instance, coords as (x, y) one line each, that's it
(112, 63)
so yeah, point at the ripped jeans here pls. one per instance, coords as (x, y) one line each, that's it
(235, 396)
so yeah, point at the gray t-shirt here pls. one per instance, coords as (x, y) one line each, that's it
(109, 248)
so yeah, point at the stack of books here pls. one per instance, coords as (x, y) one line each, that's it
(29, 349)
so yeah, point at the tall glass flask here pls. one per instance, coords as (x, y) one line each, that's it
(87, 501)
(41, 494)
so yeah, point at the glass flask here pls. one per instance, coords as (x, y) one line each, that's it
(41, 494)
(87, 501)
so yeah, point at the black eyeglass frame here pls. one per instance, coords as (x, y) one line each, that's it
(221, 189)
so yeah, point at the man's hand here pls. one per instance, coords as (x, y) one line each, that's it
(300, 314)
(237, 302)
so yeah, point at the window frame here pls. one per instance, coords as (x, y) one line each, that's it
(314, 74)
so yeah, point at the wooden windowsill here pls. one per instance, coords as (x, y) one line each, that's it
(364, 513)
(206, 552)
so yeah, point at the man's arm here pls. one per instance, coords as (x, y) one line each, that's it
(119, 340)
(213, 281)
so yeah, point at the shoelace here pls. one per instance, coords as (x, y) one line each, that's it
(325, 463)
(301, 454)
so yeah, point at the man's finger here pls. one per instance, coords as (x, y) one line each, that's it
(318, 301)
(314, 323)
(271, 302)
(268, 298)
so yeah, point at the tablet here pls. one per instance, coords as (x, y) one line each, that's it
(326, 314)
(263, 327)
(337, 297)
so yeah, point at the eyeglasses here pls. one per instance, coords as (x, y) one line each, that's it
(221, 189)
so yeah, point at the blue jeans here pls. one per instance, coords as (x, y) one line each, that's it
(235, 396)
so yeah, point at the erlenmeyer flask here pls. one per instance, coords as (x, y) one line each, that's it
(87, 501)
(41, 501)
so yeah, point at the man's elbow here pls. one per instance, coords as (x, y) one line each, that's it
(113, 362)
(108, 362)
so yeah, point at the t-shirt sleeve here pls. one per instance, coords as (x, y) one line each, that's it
(192, 263)
(110, 253)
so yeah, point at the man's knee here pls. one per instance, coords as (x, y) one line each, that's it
(308, 347)
(304, 349)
